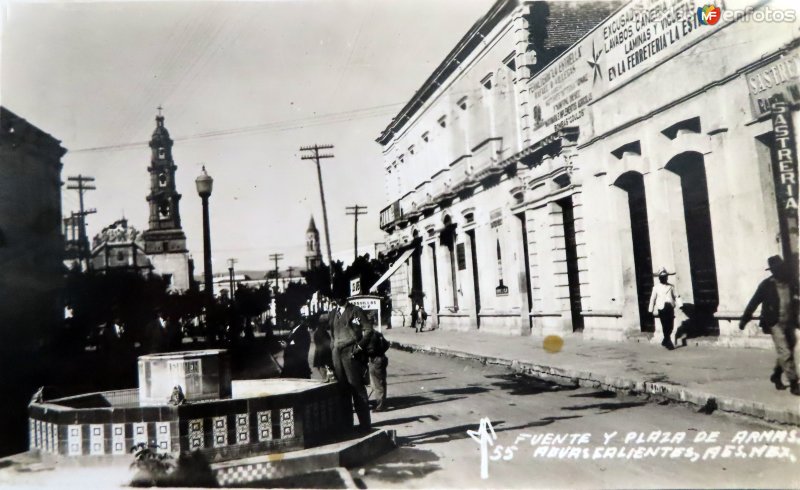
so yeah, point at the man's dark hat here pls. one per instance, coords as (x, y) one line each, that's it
(774, 262)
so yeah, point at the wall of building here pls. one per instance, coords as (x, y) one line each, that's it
(31, 244)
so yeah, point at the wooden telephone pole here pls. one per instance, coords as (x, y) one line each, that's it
(355, 211)
(316, 156)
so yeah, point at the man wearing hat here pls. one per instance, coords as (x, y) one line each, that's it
(778, 318)
(351, 331)
(662, 304)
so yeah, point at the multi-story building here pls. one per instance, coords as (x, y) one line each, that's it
(563, 151)
(31, 244)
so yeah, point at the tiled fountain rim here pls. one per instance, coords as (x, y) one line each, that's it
(184, 354)
(268, 386)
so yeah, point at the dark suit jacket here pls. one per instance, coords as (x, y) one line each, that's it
(767, 296)
(350, 327)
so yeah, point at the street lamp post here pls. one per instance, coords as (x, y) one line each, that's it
(204, 184)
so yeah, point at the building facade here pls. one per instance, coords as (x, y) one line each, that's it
(164, 240)
(119, 247)
(570, 175)
(31, 244)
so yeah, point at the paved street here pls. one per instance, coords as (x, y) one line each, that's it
(435, 400)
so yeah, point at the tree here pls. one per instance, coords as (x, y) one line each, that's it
(289, 302)
(318, 279)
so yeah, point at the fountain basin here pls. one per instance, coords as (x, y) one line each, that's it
(251, 417)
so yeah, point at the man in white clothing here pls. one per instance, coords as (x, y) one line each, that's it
(663, 302)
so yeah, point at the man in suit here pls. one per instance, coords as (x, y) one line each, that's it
(351, 332)
(778, 303)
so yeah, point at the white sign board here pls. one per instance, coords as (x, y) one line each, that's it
(368, 303)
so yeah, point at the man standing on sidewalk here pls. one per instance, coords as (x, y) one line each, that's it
(376, 350)
(778, 318)
(350, 332)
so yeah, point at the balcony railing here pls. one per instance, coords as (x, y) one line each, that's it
(390, 214)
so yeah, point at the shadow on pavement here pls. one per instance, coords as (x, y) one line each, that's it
(519, 384)
(595, 394)
(468, 390)
(606, 407)
(405, 420)
(401, 402)
(418, 380)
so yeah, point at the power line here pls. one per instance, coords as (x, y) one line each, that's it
(331, 118)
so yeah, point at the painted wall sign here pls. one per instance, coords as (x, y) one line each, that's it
(784, 162)
(638, 36)
(782, 76)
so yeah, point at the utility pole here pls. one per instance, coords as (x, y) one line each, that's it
(82, 184)
(355, 211)
(276, 258)
(316, 156)
(290, 269)
(231, 264)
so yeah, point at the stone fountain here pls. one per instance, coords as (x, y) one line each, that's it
(221, 418)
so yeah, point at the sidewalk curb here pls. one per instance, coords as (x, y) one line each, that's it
(626, 385)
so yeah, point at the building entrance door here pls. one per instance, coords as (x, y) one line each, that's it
(573, 276)
(633, 185)
(476, 284)
(694, 188)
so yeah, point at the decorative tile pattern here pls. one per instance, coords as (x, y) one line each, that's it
(242, 428)
(118, 439)
(196, 434)
(53, 438)
(74, 440)
(287, 423)
(264, 425)
(248, 473)
(140, 433)
(96, 439)
(220, 431)
(163, 437)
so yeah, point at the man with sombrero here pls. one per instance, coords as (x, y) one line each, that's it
(778, 318)
(663, 302)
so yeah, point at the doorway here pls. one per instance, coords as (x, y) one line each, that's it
(697, 217)
(633, 185)
(476, 284)
(571, 250)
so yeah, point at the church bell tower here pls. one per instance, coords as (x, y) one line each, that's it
(164, 240)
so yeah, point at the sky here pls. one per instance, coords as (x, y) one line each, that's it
(243, 86)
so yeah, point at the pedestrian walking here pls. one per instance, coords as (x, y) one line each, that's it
(422, 316)
(378, 362)
(778, 300)
(663, 302)
(350, 332)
